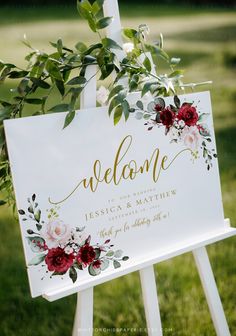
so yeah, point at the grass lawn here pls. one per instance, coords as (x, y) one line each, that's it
(206, 42)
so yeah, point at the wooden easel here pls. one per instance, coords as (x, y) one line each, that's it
(83, 324)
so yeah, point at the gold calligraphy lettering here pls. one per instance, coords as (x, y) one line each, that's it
(124, 170)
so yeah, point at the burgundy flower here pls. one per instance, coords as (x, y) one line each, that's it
(97, 263)
(188, 114)
(58, 261)
(86, 255)
(157, 107)
(167, 117)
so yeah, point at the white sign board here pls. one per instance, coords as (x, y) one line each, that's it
(96, 198)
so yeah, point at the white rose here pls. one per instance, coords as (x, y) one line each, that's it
(128, 47)
(78, 237)
(68, 250)
(56, 233)
(191, 137)
(174, 134)
(102, 95)
(181, 123)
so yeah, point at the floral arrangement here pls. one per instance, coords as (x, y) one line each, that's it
(64, 71)
(63, 249)
(182, 122)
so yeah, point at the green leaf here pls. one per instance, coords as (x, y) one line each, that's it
(73, 274)
(60, 108)
(88, 59)
(177, 74)
(39, 227)
(37, 215)
(117, 114)
(18, 74)
(86, 11)
(110, 253)
(53, 70)
(37, 260)
(97, 253)
(132, 34)
(117, 100)
(94, 271)
(129, 32)
(204, 130)
(112, 105)
(80, 46)
(30, 231)
(2, 65)
(104, 264)
(5, 113)
(160, 101)
(106, 70)
(115, 90)
(69, 118)
(40, 83)
(157, 51)
(59, 46)
(77, 80)
(33, 101)
(2, 202)
(104, 22)
(60, 86)
(30, 209)
(84, 7)
(140, 105)
(126, 109)
(147, 87)
(139, 115)
(118, 253)
(147, 64)
(116, 264)
(36, 243)
(92, 48)
(110, 44)
(133, 85)
(203, 117)
(97, 6)
(177, 101)
(151, 106)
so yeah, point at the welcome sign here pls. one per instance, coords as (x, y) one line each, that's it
(96, 198)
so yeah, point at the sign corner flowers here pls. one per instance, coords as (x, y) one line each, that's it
(65, 250)
(183, 123)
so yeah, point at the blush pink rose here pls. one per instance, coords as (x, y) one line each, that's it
(191, 137)
(56, 233)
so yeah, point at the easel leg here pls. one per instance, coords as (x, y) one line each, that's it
(150, 300)
(83, 323)
(211, 291)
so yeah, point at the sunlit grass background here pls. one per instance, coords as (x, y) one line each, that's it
(205, 40)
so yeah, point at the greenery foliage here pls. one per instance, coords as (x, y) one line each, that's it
(65, 70)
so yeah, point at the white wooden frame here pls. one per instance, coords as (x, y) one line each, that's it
(83, 324)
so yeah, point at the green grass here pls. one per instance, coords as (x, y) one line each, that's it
(118, 303)
(19, 14)
(222, 34)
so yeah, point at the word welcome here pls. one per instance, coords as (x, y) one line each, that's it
(122, 170)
